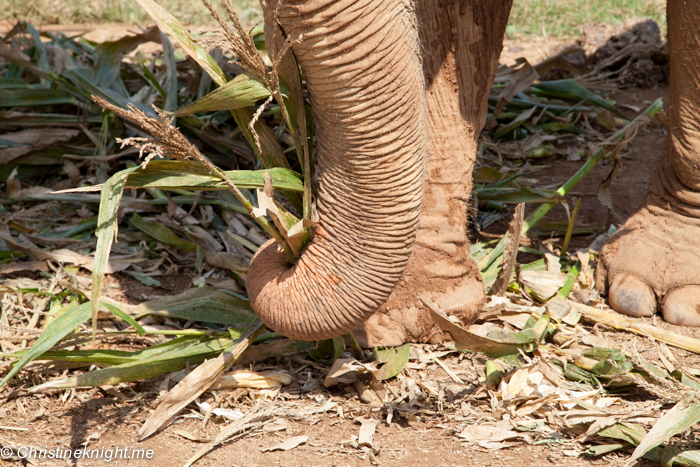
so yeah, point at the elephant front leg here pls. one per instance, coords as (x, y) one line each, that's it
(653, 262)
(461, 42)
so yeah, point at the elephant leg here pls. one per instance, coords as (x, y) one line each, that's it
(461, 42)
(653, 262)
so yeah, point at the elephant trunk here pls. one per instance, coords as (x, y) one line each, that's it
(362, 67)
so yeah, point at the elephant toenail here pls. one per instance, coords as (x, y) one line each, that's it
(682, 306)
(630, 296)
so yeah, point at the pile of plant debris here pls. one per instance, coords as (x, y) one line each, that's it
(540, 366)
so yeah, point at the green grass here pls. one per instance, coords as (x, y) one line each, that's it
(563, 18)
(530, 18)
(190, 12)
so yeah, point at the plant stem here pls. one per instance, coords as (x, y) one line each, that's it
(570, 229)
(571, 277)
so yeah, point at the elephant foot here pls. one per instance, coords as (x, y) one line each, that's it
(653, 264)
(404, 318)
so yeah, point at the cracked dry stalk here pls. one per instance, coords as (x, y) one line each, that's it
(167, 141)
(257, 417)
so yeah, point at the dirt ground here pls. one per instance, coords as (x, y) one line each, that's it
(110, 417)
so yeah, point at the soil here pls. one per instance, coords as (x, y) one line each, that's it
(431, 441)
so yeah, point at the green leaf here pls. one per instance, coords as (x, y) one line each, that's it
(677, 420)
(203, 304)
(57, 330)
(177, 175)
(519, 120)
(199, 380)
(494, 373)
(570, 89)
(486, 175)
(242, 91)
(118, 357)
(629, 432)
(40, 56)
(101, 357)
(160, 232)
(13, 83)
(123, 316)
(33, 96)
(394, 359)
(148, 281)
(171, 87)
(106, 232)
(144, 368)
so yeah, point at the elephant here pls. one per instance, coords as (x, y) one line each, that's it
(399, 93)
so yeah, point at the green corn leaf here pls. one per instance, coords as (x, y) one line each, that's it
(40, 56)
(603, 449)
(119, 357)
(82, 79)
(629, 432)
(518, 121)
(328, 350)
(27, 97)
(160, 232)
(517, 103)
(177, 175)
(123, 316)
(486, 175)
(494, 373)
(100, 357)
(199, 380)
(242, 91)
(203, 304)
(32, 119)
(57, 330)
(144, 368)
(171, 74)
(13, 83)
(106, 232)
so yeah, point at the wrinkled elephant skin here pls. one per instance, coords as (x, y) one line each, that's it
(399, 95)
